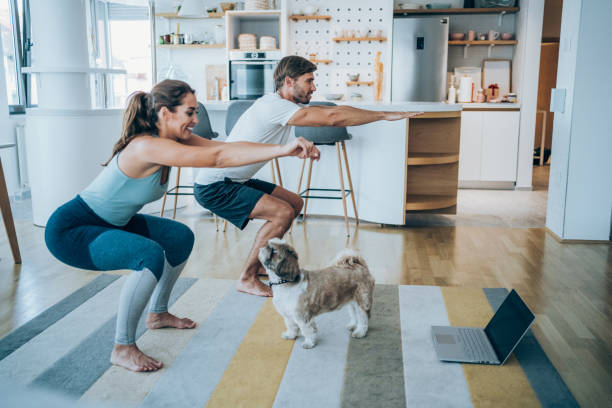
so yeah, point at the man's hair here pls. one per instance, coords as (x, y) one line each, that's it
(291, 66)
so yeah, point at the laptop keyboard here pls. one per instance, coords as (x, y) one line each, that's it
(474, 345)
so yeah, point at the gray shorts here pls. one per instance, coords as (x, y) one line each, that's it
(231, 200)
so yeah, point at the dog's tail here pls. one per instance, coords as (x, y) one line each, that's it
(350, 259)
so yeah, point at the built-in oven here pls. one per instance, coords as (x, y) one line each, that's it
(251, 73)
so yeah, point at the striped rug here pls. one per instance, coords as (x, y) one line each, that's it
(236, 357)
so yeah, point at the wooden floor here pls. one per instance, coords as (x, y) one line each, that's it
(568, 286)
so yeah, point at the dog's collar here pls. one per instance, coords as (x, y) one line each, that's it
(270, 283)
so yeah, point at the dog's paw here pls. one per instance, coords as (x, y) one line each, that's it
(359, 333)
(309, 343)
(351, 326)
(289, 335)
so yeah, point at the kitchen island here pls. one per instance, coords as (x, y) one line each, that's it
(396, 167)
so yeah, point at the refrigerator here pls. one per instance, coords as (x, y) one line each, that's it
(420, 53)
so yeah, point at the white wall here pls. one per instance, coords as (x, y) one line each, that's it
(580, 189)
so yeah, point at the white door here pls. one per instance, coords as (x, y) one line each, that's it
(470, 146)
(500, 131)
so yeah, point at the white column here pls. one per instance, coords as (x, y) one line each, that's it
(59, 34)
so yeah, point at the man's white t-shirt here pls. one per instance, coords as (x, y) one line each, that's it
(264, 122)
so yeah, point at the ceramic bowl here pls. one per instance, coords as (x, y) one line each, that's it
(333, 96)
(353, 77)
(507, 36)
(457, 36)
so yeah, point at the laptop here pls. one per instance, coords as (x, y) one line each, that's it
(491, 345)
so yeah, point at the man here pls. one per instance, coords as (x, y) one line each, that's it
(232, 194)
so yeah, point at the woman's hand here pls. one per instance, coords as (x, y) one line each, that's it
(401, 115)
(301, 148)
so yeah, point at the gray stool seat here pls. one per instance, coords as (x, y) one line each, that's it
(323, 135)
(234, 111)
(331, 136)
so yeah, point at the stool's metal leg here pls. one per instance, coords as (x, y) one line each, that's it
(280, 180)
(272, 170)
(224, 225)
(342, 187)
(348, 174)
(216, 222)
(178, 181)
(307, 188)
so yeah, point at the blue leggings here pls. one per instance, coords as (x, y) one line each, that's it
(78, 237)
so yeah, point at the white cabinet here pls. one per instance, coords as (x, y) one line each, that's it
(488, 148)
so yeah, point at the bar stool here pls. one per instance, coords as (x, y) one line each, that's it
(330, 136)
(202, 129)
(7, 217)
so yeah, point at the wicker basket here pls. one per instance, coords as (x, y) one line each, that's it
(247, 41)
(267, 43)
(256, 5)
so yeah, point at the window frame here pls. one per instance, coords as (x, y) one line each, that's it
(22, 43)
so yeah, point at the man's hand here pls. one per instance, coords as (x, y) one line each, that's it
(301, 148)
(401, 115)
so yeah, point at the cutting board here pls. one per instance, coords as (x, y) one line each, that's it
(216, 76)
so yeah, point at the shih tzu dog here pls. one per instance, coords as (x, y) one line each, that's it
(300, 295)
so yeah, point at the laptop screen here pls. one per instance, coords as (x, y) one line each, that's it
(508, 325)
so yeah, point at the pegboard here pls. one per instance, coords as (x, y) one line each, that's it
(364, 18)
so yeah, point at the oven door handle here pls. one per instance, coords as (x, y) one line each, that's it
(252, 62)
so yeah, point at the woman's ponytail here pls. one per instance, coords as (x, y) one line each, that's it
(140, 116)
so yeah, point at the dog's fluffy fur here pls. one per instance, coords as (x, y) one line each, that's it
(347, 281)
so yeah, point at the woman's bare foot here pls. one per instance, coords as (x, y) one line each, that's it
(130, 357)
(165, 319)
(253, 287)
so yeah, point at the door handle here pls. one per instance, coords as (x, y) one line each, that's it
(557, 100)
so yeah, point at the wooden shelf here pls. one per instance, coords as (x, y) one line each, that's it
(419, 159)
(429, 202)
(488, 10)
(338, 39)
(296, 17)
(495, 42)
(174, 15)
(357, 83)
(191, 45)
(321, 61)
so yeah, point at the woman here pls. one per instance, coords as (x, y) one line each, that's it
(100, 229)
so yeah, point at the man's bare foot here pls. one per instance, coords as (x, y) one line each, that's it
(130, 357)
(165, 319)
(262, 272)
(253, 287)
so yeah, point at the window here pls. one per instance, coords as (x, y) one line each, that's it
(14, 27)
(122, 40)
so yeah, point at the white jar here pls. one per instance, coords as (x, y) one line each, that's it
(219, 34)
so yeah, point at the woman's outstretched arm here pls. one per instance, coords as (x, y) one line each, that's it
(209, 153)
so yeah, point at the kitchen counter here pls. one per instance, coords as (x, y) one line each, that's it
(372, 105)
(397, 167)
(490, 106)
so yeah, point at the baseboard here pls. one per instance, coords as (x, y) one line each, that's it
(487, 185)
(576, 241)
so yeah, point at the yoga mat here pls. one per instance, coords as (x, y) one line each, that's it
(236, 356)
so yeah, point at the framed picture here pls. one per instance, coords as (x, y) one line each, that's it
(497, 71)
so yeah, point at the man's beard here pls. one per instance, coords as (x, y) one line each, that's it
(303, 97)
